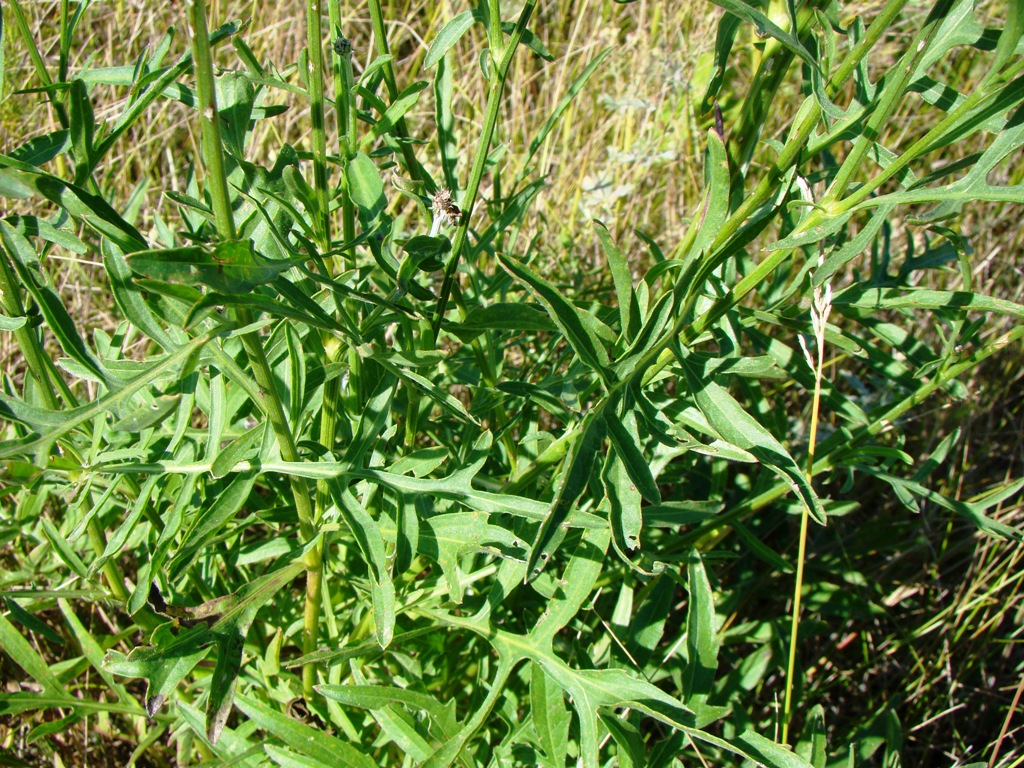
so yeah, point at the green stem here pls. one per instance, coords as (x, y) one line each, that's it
(821, 314)
(315, 77)
(210, 140)
(791, 154)
(804, 122)
(794, 627)
(270, 400)
(401, 131)
(918, 148)
(771, 73)
(49, 380)
(895, 89)
(494, 94)
(345, 103)
(110, 572)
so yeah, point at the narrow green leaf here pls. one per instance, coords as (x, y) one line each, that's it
(649, 336)
(377, 697)
(814, 741)
(365, 186)
(714, 204)
(289, 758)
(576, 476)
(622, 278)
(1009, 39)
(923, 298)
(959, 27)
(624, 515)
(309, 314)
(385, 124)
(26, 264)
(576, 324)
(84, 206)
(428, 388)
(172, 520)
(444, 118)
(529, 39)
(225, 679)
(556, 114)
(94, 653)
(124, 530)
(9, 324)
(766, 752)
(506, 316)
(129, 297)
(407, 530)
(738, 428)
(214, 516)
(38, 151)
(306, 740)
(450, 750)
(31, 623)
(230, 267)
(647, 625)
(972, 511)
(82, 121)
(764, 26)
(449, 35)
(371, 545)
(245, 446)
(63, 549)
(576, 584)
(630, 742)
(38, 419)
(550, 717)
(761, 550)
(626, 439)
(148, 415)
(701, 634)
(33, 226)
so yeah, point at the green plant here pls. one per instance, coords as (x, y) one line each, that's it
(419, 511)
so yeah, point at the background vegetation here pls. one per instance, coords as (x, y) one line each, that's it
(509, 486)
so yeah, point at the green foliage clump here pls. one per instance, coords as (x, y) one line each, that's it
(359, 476)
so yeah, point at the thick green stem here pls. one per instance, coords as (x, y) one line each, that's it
(315, 77)
(270, 400)
(345, 104)
(770, 75)
(213, 155)
(322, 226)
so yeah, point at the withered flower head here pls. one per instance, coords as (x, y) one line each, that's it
(444, 205)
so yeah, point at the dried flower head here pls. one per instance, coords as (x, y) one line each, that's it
(444, 205)
(342, 46)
